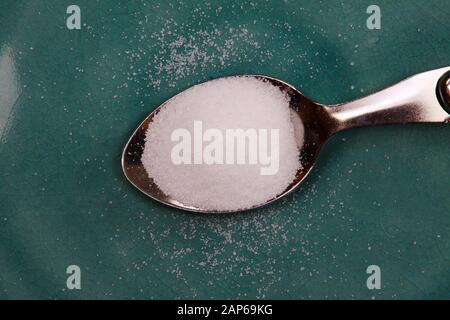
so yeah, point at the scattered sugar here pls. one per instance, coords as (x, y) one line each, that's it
(227, 103)
(180, 56)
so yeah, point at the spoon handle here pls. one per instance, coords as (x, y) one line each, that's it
(424, 97)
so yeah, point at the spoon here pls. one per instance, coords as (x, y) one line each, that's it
(424, 97)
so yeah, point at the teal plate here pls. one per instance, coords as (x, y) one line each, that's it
(70, 99)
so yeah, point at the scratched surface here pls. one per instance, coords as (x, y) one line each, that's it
(69, 100)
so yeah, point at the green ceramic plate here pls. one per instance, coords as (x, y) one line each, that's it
(70, 99)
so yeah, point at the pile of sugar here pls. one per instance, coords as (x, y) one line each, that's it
(227, 103)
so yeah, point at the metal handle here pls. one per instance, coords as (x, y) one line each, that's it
(424, 97)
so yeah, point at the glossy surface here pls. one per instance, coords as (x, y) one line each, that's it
(73, 98)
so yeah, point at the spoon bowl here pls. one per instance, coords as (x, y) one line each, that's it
(307, 118)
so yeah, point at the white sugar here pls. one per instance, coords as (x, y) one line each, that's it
(224, 105)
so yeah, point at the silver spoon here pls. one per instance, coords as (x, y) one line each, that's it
(424, 97)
